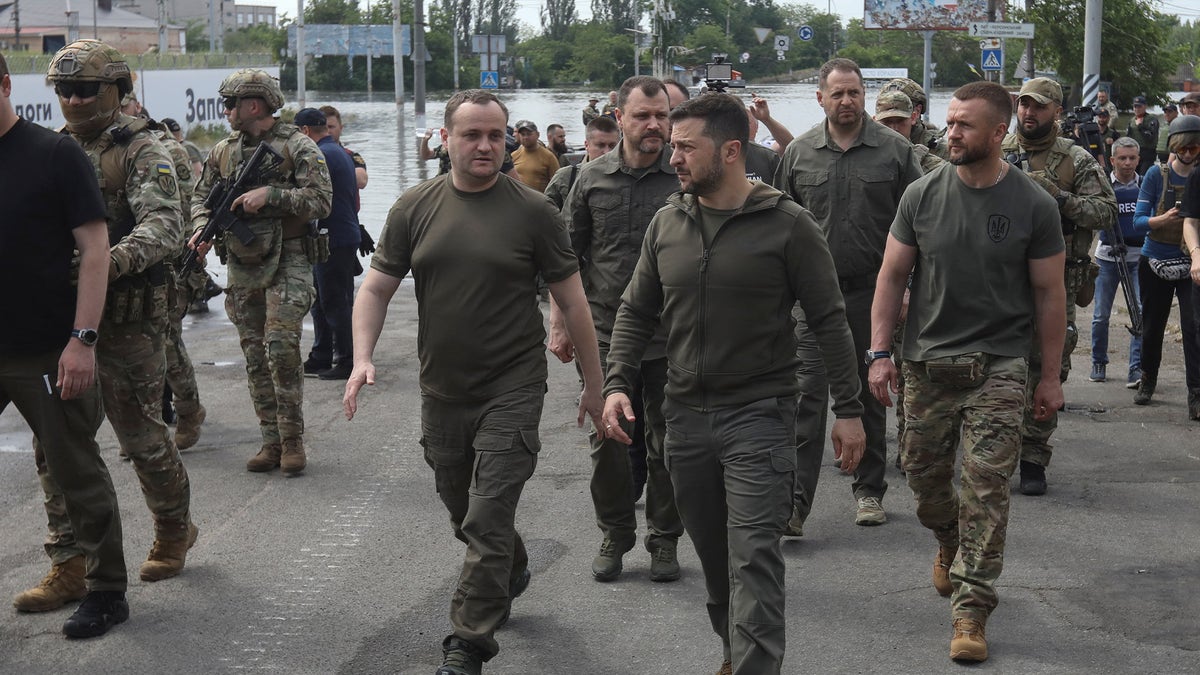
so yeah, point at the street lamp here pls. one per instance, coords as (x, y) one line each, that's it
(637, 48)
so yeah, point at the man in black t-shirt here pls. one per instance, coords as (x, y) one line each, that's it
(48, 356)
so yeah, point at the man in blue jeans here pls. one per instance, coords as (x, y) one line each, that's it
(332, 353)
(1126, 183)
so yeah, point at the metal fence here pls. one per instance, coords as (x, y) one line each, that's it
(20, 64)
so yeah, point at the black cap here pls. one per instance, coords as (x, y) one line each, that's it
(310, 117)
(170, 124)
(1139, 100)
(1170, 106)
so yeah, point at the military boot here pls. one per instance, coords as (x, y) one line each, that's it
(292, 462)
(64, 583)
(726, 668)
(968, 642)
(187, 428)
(172, 539)
(459, 657)
(664, 564)
(941, 570)
(266, 459)
(1033, 479)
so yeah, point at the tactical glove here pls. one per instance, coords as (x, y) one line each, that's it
(367, 245)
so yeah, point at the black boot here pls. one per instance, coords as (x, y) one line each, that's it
(1145, 389)
(99, 611)
(1033, 479)
(1194, 404)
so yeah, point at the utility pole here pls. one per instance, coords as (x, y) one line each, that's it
(1030, 71)
(301, 53)
(419, 61)
(17, 24)
(1093, 13)
(162, 26)
(398, 58)
(212, 26)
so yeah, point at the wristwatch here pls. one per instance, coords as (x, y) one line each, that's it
(872, 356)
(87, 336)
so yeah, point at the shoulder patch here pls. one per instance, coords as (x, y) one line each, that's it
(166, 178)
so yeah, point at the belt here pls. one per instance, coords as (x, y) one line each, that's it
(856, 283)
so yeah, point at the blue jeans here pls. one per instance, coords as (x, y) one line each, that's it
(1106, 290)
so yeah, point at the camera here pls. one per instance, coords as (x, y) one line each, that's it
(719, 74)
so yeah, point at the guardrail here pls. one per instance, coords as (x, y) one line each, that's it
(20, 64)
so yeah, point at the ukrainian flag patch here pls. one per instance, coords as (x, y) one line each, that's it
(166, 178)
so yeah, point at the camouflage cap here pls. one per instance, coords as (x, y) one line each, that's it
(893, 104)
(909, 88)
(1043, 90)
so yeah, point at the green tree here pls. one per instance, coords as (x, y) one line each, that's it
(618, 14)
(607, 60)
(1133, 56)
(557, 17)
(256, 38)
(332, 11)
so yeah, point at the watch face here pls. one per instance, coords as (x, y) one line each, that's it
(87, 336)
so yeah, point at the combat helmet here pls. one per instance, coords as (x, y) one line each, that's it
(910, 89)
(253, 83)
(1184, 131)
(94, 71)
(91, 61)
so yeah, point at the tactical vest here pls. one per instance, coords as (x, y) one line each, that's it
(1058, 166)
(1172, 193)
(232, 152)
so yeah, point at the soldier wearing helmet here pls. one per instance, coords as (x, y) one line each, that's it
(270, 287)
(1086, 204)
(145, 230)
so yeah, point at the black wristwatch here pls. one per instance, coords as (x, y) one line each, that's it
(872, 356)
(87, 336)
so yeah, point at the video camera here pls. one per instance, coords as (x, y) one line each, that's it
(1081, 127)
(719, 74)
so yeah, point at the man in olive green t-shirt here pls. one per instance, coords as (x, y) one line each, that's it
(968, 332)
(474, 241)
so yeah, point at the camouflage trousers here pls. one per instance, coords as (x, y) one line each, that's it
(132, 374)
(987, 416)
(269, 322)
(1035, 434)
(180, 375)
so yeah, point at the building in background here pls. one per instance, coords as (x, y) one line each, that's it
(45, 26)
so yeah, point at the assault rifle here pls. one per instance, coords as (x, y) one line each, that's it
(222, 217)
(1086, 133)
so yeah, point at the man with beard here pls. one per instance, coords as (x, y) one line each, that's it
(607, 211)
(1086, 204)
(145, 230)
(601, 136)
(968, 331)
(723, 264)
(534, 163)
(849, 172)
(556, 140)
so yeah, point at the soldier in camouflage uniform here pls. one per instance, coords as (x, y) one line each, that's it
(270, 287)
(1087, 204)
(141, 189)
(895, 110)
(922, 132)
(969, 329)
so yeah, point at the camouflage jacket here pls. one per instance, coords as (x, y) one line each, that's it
(929, 161)
(299, 191)
(141, 192)
(1086, 197)
(183, 172)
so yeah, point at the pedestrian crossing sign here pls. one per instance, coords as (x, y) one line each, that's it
(489, 79)
(992, 58)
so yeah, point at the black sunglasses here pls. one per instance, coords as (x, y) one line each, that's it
(80, 89)
(231, 102)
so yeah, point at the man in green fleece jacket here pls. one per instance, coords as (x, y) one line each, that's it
(723, 264)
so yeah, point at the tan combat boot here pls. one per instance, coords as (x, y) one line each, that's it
(726, 668)
(266, 459)
(171, 543)
(187, 427)
(968, 643)
(64, 583)
(293, 461)
(941, 570)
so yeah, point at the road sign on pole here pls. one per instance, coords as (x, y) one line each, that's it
(992, 59)
(805, 33)
(489, 79)
(1022, 31)
(783, 43)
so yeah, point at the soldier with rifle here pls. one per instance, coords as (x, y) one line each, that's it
(270, 261)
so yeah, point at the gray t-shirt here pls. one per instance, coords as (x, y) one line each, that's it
(474, 257)
(970, 289)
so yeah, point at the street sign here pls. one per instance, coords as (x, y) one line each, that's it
(779, 56)
(762, 34)
(745, 57)
(805, 33)
(782, 43)
(489, 79)
(990, 43)
(992, 58)
(1022, 31)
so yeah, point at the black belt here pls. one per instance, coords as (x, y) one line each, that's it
(856, 283)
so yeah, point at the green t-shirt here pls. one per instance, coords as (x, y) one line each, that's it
(474, 258)
(711, 220)
(970, 289)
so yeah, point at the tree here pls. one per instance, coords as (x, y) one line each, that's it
(618, 14)
(332, 11)
(608, 58)
(256, 38)
(1133, 57)
(493, 17)
(557, 17)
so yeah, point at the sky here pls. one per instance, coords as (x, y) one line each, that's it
(527, 10)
